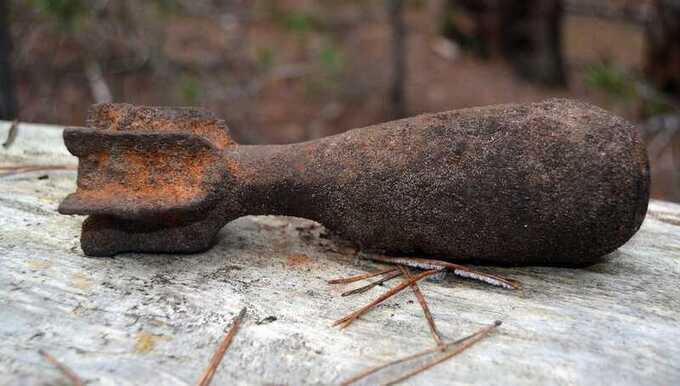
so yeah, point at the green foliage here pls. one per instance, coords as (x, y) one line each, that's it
(189, 89)
(331, 67)
(67, 12)
(167, 7)
(616, 83)
(299, 21)
(657, 106)
(264, 56)
(332, 60)
(622, 88)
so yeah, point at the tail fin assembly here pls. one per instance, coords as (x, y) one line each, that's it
(145, 169)
(122, 117)
(140, 174)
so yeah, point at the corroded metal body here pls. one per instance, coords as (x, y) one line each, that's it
(557, 183)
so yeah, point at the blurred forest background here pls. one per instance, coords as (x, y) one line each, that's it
(290, 70)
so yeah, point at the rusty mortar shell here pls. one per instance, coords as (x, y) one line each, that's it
(558, 182)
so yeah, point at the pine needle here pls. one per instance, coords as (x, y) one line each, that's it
(18, 169)
(207, 376)
(456, 269)
(68, 373)
(462, 346)
(367, 287)
(347, 320)
(352, 279)
(459, 346)
(11, 134)
(423, 304)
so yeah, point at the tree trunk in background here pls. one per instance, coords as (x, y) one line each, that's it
(8, 108)
(533, 39)
(475, 25)
(396, 19)
(662, 63)
(526, 32)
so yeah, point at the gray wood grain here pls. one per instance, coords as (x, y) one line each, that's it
(156, 319)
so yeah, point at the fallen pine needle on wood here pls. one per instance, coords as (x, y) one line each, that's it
(457, 347)
(352, 279)
(464, 345)
(371, 285)
(456, 269)
(347, 320)
(423, 304)
(68, 373)
(207, 376)
(18, 169)
(11, 134)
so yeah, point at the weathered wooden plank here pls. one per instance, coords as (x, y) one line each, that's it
(156, 319)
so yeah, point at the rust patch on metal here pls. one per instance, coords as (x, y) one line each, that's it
(126, 117)
(558, 182)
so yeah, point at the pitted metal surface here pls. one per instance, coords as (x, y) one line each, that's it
(558, 182)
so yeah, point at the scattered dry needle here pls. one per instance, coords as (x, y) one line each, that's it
(206, 378)
(68, 373)
(450, 350)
